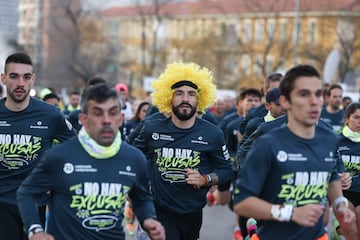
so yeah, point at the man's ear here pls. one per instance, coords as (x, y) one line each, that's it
(82, 118)
(122, 119)
(284, 102)
(267, 105)
(33, 77)
(3, 78)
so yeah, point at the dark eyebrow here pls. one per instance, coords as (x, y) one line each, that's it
(25, 74)
(190, 91)
(110, 109)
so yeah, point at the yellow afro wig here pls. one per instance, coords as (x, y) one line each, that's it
(179, 72)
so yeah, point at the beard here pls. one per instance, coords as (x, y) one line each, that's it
(17, 99)
(184, 115)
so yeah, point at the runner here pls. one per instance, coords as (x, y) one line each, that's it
(89, 178)
(187, 154)
(28, 128)
(284, 164)
(349, 153)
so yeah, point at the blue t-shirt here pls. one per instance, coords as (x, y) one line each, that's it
(231, 136)
(24, 138)
(129, 127)
(170, 150)
(336, 120)
(259, 111)
(349, 153)
(87, 194)
(133, 134)
(282, 168)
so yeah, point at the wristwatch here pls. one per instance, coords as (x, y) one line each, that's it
(275, 212)
(34, 230)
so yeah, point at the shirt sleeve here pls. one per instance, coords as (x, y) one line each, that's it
(221, 160)
(140, 195)
(64, 129)
(244, 148)
(32, 189)
(253, 175)
(140, 141)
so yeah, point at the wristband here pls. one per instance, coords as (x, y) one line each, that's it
(209, 179)
(286, 213)
(35, 228)
(339, 200)
(282, 213)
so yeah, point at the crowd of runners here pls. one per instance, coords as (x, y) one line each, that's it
(283, 157)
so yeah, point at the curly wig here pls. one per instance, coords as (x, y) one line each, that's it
(183, 72)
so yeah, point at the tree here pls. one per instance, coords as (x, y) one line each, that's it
(151, 12)
(349, 41)
(78, 48)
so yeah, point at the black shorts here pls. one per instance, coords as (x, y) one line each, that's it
(180, 226)
(11, 225)
(353, 197)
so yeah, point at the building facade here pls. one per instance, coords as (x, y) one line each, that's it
(241, 41)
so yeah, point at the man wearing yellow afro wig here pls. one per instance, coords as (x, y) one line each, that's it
(187, 154)
(177, 74)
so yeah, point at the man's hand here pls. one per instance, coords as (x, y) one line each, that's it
(154, 228)
(307, 215)
(193, 177)
(347, 221)
(345, 216)
(42, 236)
(345, 180)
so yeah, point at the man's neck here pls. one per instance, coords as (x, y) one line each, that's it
(183, 124)
(16, 106)
(301, 130)
(330, 109)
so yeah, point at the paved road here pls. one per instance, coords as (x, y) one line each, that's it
(218, 224)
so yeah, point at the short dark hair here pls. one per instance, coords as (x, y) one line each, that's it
(50, 96)
(272, 77)
(288, 81)
(75, 92)
(96, 80)
(18, 57)
(334, 86)
(250, 92)
(351, 109)
(98, 93)
(347, 98)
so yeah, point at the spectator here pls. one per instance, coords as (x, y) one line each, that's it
(123, 91)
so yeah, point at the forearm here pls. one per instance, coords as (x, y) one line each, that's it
(222, 197)
(254, 207)
(334, 190)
